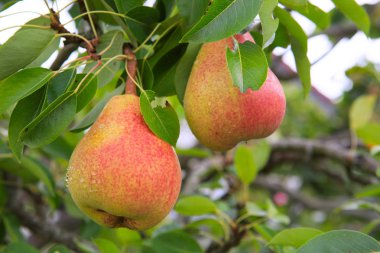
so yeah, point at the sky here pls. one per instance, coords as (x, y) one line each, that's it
(328, 74)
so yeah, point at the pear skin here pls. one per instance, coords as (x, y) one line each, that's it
(221, 116)
(121, 174)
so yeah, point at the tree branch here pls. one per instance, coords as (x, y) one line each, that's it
(63, 55)
(303, 150)
(314, 203)
(90, 45)
(41, 227)
(308, 201)
(47, 231)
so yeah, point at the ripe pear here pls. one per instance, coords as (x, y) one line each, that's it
(221, 116)
(121, 174)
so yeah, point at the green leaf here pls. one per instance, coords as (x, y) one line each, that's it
(87, 90)
(162, 120)
(59, 249)
(85, 247)
(261, 152)
(369, 133)
(164, 63)
(24, 47)
(124, 6)
(51, 122)
(144, 52)
(94, 113)
(369, 191)
(147, 248)
(224, 18)
(294, 237)
(67, 81)
(275, 215)
(110, 19)
(12, 226)
(193, 152)
(127, 236)
(315, 14)
(45, 55)
(147, 77)
(192, 10)
(194, 205)
(24, 112)
(302, 63)
(164, 72)
(71, 208)
(106, 246)
(264, 231)
(355, 12)
(245, 165)
(361, 111)
(5, 4)
(292, 4)
(268, 24)
(14, 167)
(20, 247)
(20, 85)
(168, 43)
(105, 5)
(112, 42)
(281, 38)
(164, 83)
(62, 147)
(59, 84)
(254, 210)
(294, 29)
(141, 21)
(298, 40)
(341, 241)
(40, 172)
(248, 66)
(184, 69)
(167, 25)
(175, 242)
(215, 226)
(257, 38)
(165, 7)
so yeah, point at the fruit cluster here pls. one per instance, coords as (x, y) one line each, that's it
(122, 175)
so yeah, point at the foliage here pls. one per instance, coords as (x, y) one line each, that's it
(238, 201)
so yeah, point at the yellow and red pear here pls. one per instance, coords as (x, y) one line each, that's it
(221, 116)
(121, 174)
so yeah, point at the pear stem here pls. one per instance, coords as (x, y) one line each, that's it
(131, 66)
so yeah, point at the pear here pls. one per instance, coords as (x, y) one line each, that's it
(121, 174)
(221, 116)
